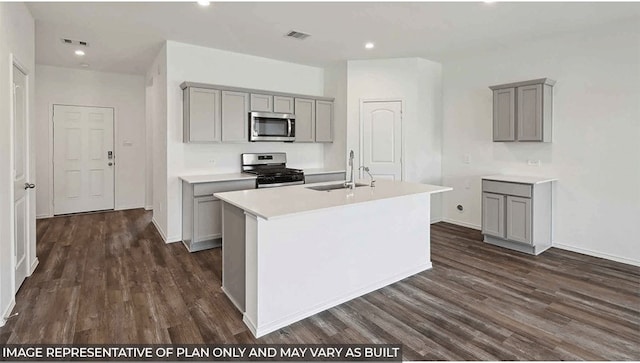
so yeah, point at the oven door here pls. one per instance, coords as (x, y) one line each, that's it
(269, 126)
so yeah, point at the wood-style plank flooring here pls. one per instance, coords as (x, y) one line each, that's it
(109, 278)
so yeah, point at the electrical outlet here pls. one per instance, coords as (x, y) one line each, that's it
(533, 162)
(467, 159)
(212, 161)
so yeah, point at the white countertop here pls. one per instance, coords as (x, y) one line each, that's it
(520, 179)
(277, 202)
(319, 171)
(209, 178)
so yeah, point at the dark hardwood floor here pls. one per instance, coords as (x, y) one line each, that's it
(109, 278)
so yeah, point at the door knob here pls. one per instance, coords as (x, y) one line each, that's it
(110, 164)
(29, 186)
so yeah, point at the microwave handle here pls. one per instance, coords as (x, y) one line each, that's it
(289, 130)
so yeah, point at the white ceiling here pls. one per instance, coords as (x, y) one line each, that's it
(125, 37)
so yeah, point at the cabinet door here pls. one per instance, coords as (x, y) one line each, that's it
(202, 115)
(493, 215)
(305, 120)
(530, 113)
(324, 121)
(261, 103)
(283, 104)
(519, 219)
(504, 114)
(235, 116)
(207, 218)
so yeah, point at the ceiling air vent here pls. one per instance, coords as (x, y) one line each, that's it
(297, 35)
(80, 43)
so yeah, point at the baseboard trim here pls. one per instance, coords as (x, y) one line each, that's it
(436, 220)
(127, 207)
(148, 207)
(463, 224)
(7, 312)
(587, 252)
(35, 264)
(43, 216)
(160, 231)
(290, 319)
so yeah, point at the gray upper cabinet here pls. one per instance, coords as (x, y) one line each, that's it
(305, 119)
(283, 104)
(504, 114)
(201, 115)
(324, 121)
(523, 111)
(235, 116)
(217, 113)
(261, 103)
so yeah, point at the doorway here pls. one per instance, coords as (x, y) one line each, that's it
(381, 138)
(83, 159)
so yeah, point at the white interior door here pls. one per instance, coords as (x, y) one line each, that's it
(83, 160)
(21, 185)
(382, 138)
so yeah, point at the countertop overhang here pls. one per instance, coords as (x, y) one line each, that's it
(519, 179)
(279, 202)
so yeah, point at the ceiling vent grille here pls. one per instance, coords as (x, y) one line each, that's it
(297, 35)
(80, 43)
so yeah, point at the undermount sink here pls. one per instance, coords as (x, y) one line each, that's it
(330, 187)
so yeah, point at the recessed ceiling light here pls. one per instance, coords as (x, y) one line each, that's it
(369, 45)
(80, 52)
(203, 3)
(489, 1)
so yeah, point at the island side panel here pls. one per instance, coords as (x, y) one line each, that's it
(233, 254)
(307, 263)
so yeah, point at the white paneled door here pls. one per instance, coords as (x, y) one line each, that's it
(21, 184)
(83, 159)
(381, 147)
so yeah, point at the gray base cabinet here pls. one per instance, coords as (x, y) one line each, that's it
(202, 212)
(523, 111)
(517, 215)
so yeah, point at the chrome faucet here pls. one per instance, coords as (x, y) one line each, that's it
(373, 181)
(351, 184)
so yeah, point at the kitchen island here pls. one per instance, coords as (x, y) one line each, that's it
(291, 252)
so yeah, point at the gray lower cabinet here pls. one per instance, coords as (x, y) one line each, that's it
(235, 116)
(523, 111)
(325, 177)
(202, 212)
(517, 215)
(201, 115)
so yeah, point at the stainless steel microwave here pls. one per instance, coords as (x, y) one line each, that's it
(271, 126)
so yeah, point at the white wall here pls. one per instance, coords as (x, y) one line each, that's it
(335, 85)
(596, 127)
(125, 93)
(18, 39)
(418, 82)
(187, 62)
(156, 93)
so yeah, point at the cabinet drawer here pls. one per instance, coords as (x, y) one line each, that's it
(520, 190)
(223, 186)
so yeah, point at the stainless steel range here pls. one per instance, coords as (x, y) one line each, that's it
(271, 170)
